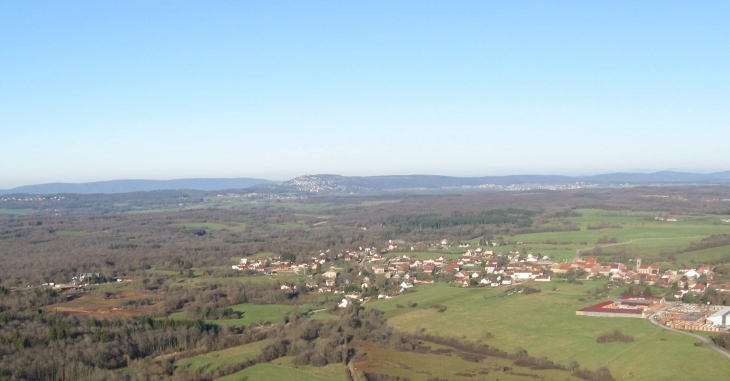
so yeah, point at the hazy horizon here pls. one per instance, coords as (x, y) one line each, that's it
(700, 171)
(136, 90)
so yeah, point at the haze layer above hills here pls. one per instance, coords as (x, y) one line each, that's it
(126, 186)
(326, 184)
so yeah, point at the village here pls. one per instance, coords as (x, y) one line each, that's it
(369, 272)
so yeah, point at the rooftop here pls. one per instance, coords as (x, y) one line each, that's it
(723, 312)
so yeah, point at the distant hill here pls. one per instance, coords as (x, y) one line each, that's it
(335, 184)
(126, 186)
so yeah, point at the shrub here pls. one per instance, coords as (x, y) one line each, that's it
(615, 335)
(439, 307)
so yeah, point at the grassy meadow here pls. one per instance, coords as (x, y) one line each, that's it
(274, 372)
(636, 233)
(430, 366)
(212, 361)
(545, 324)
(702, 256)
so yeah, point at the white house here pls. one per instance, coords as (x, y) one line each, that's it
(523, 274)
(692, 274)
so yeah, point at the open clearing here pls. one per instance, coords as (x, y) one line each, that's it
(703, 256)
(425, 366)
(649, 237)
(89, 304)
(329, 371)
(545, 324)
(212, 361)
(272, 372)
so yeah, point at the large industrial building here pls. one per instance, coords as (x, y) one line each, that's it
(721, 318)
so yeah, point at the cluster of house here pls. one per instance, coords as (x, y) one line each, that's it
(269, 196)
(474, 267)
(273, 264)
(686, 278)
(517, 187)
(77, 282)
(668, 219)
(32, 198)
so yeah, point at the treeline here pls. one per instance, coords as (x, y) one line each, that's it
(722, 340)
(514, 217)
(708, 243)
(37, 345)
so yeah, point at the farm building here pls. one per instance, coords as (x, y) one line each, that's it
(625, 306)
(612, 309)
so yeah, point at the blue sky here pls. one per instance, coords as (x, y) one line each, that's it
(159, 90)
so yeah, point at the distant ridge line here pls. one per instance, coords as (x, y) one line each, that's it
(327, 183)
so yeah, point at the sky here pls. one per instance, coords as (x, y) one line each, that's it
(101, 90)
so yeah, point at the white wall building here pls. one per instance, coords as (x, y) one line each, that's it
(721, 318)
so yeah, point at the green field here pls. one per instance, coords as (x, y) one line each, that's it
(637, 233)
(545, 324)
(266, 372)
(430, 366)
(702, 256)
(212, 361)
(329, 371)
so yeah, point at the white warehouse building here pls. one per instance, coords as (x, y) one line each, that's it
(721, 318)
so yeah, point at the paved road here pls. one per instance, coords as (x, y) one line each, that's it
(705, 340)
